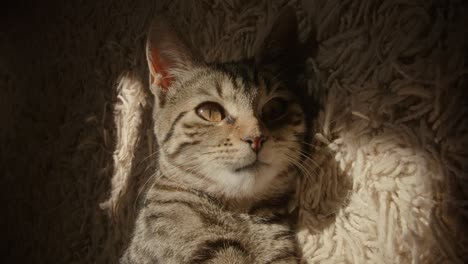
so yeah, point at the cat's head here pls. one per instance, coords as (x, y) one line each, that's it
(231, 128)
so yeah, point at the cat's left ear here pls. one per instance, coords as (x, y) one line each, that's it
(281, 50)
(167, 54)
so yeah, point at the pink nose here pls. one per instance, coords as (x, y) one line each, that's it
(255, 142)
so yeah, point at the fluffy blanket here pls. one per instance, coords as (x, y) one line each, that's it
(387, 181)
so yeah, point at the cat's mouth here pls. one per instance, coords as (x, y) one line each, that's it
(254, 165)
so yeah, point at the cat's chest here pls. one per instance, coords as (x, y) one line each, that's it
(238, 206)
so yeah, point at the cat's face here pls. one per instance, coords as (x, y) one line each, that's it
(233, 127)
(237, 131)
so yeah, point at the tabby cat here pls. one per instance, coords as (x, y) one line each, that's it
(231, 137)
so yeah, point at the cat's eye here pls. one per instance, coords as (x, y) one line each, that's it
(274, 109)
(210, 111)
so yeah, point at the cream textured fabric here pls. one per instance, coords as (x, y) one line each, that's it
(388, 179)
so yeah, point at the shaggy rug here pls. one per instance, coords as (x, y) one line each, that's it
(387, 181)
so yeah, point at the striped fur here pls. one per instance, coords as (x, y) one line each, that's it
(182, 225)
(214, 199)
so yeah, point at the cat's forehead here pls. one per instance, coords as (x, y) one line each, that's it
(240, 96)
(239, 87)
(242, 82)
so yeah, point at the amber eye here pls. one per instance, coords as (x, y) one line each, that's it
(275, 109)
(210, 111)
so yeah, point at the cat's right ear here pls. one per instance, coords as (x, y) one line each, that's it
(167, 54)
(281, 51)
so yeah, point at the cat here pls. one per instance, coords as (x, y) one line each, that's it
(231, 137)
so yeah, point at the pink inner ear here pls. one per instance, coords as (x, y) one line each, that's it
(159, 67)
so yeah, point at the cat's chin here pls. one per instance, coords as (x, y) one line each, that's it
(251, 180)
(254, 167)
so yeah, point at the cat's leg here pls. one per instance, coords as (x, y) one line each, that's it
(226, 253)
(276, 242)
